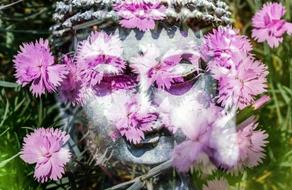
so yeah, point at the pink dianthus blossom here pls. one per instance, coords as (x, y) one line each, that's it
(44, 147)
(137, 121)
(269, 25)
(71, 90)
(242, 85)
(251, 143)
(100, 54)
(185, 155)
(34, 65)
(223, 46)
(141, 15)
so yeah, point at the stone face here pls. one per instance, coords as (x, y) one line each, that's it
(74, 20)
(158, 144)
(154, 152)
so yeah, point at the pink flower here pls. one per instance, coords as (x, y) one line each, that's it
(139, 119)
(268, 25)
(162, 70)
(218, 184)
(71, 90)
(35, 64)
(141, 15)
(99, 55)
(223, 46)
(197, 130)
(44, 147)
(200, 122)
(251, 143)
(185, 155)
(244, 83)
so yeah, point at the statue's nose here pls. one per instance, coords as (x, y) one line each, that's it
(144, 97)
(144, 91)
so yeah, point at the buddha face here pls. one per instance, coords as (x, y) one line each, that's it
(156, 85)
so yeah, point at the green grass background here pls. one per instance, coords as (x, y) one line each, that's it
(20, 112)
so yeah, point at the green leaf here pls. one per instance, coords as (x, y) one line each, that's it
(286, 164)
(5, 114)
(4, 162)
(8, 84)
(288, 90)
(4, 132)
(284, 94)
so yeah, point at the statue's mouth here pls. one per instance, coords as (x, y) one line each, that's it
(149, 142)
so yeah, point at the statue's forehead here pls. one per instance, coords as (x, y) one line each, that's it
(163, 39)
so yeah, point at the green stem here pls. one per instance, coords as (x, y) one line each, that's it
(287, 5)
(40, 115)
(251, 5)
(269, 60)
(9, 5)
(7, 84)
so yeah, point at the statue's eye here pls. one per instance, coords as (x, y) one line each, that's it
(180, 88)
(121, 81)
(185, 73)
(184, 68)
(112, 83)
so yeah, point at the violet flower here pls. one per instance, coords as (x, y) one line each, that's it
(44, 147)
(34, 65)
(251, 144)
(71, 90)
(134, 118)
(223, 46)
(242, 85)
(141, 15)
(269, 25)
(185, 155)
(100, 54)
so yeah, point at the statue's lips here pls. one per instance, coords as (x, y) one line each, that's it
(150, 142)
(151, 138)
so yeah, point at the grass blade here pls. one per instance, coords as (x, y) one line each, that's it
(7, 84)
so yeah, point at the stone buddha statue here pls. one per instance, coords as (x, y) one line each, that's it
(134, 98)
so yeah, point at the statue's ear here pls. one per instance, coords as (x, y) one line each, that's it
(224, 142)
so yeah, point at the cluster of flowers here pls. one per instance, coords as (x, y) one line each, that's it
(268, 23)
(97, 58)
(240, 76)
(240, 79)
(212, 143)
